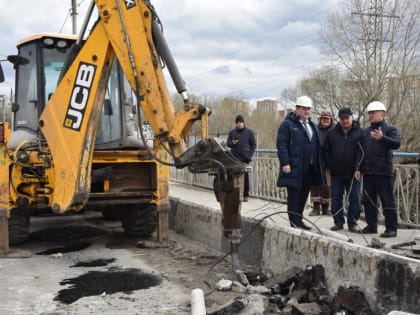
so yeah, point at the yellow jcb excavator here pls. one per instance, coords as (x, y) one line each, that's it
(81, 103)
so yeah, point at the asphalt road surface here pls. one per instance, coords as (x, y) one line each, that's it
(81, 264)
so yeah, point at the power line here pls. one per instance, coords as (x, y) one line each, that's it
(65, 20)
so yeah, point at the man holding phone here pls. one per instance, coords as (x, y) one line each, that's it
(378, 142)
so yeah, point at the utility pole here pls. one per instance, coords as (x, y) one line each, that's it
(376, 25)
(74, 15)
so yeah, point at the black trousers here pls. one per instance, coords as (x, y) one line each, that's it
(246, 184)
(374, 185)
(296, 198)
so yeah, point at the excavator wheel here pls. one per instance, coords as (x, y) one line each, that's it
(139, 220)
(110, 213)
(19, 225)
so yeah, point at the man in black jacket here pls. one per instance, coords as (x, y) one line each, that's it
(378, 142)
(301, 163)
(342, 152)
(242, 144)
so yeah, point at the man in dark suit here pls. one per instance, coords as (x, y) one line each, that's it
(301, 165)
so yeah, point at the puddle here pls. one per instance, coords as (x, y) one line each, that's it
(96, 283)
(94, 263)
(66, 233)
(73, 247)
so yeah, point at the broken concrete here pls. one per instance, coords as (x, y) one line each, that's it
(278, 248)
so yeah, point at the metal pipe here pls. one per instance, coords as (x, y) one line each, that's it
(165, 53)
(85, 22)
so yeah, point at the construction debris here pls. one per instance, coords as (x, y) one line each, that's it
(232, 307)
(297, 292)
(224, 285)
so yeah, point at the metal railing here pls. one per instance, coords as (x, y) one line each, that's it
(265, 170)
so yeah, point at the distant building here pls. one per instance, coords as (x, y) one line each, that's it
(283, 112)
(268, 105)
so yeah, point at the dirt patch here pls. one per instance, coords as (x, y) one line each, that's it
(108, 282)
(94, 263)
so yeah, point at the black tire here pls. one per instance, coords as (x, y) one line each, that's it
(19, 226)
(110, 213)
(139, 220)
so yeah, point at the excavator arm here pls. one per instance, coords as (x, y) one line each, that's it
(125, 29)
(130, 31)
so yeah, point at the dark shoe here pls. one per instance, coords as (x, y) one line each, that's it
(325, 210)
(245, 198)
(336, 227)
(388, 233)
(355, 229)
(300, 225)
(304, 226)
(314, 213)
(370, 230)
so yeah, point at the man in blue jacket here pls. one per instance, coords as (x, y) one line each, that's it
(242, 144)
(301, 165)
(378, 141)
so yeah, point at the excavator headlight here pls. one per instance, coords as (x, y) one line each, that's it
(48, 41)
(62, 44)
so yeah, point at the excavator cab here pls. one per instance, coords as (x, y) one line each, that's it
(39, 65)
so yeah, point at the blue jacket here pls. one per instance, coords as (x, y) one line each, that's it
(295, 149)
(245, 148)
(378, 154)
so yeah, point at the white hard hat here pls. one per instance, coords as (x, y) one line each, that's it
(373, 106)
(304, 101)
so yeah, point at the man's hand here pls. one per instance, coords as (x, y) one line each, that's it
(377, 134)
(357, 175)
(287, 169)
(235, 141)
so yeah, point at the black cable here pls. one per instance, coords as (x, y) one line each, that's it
(252, 230)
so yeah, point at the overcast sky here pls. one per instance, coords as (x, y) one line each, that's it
(254, 48)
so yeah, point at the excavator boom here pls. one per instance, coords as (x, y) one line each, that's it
(56, 168)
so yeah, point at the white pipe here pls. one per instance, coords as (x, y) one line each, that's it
(198, 306)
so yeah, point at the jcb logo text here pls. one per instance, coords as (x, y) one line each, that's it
(79, 96)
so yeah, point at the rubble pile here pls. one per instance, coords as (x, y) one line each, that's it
(302, 292)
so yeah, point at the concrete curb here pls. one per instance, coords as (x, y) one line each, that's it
(389, 282)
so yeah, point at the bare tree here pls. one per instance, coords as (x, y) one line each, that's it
(375, 41)
(265, 124)
(374, 48)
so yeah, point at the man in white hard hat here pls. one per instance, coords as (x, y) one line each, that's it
(378, 141)
(301, 165)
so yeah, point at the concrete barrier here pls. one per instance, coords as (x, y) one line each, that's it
(389, 282)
